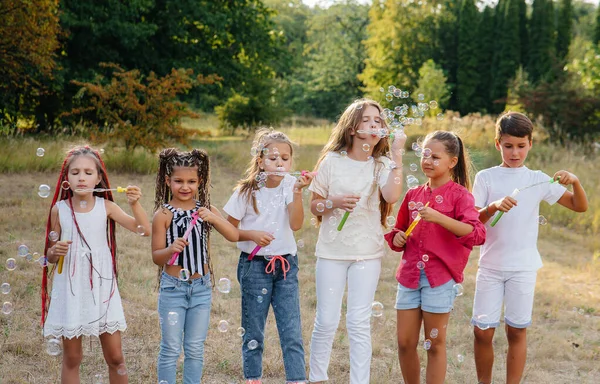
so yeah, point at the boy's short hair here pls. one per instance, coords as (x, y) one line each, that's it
(514, 124)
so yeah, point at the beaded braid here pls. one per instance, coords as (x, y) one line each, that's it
(170, 158)
(61, 193)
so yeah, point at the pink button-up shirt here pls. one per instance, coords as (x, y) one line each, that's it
(447, 253)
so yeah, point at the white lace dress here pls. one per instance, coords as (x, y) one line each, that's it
(85, 299)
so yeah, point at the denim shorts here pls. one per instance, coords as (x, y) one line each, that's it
(435, 300)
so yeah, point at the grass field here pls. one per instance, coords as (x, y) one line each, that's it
(564, 339)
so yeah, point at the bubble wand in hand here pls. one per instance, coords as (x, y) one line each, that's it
(118, 189)
(516, 192)
(412, 225)
(195, 218)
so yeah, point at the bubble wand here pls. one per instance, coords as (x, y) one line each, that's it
(118, 189)
(516, 192)
(412, 225)
(195, 219)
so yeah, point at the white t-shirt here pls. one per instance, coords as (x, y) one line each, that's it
(511, 245)
(362, 235)
(273, 217)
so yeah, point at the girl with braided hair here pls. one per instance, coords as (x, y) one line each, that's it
(180, 247)
(267, 207)
(80, 241)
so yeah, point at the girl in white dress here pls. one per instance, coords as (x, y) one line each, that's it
(84, 298)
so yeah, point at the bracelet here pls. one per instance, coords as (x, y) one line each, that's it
(487, 211)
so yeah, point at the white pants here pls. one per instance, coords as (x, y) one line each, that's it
(331, 277)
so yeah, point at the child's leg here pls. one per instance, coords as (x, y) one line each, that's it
(330, 284)
(172, 305)
(257, 288)
(362, 283)
(113, 354)
(487, 307)
(520, 289)
(408, 326)
(286, 306)
(72, 356)
(436, 325)
(197, 319)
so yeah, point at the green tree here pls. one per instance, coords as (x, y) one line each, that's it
(542, 35)
(564, 28)
(446, 41)
(523, 33)
(468, 59)
(28, 41)
(508, 53)
(597, 31)
(433, 84)
(402, 36)
(487, 46)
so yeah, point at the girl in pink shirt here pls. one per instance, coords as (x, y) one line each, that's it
(435, 253)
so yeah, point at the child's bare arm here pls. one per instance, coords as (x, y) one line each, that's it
(456, 227)
(140, 218)
(160, 252)
(261, 238)
(224, 227)
(577, 200)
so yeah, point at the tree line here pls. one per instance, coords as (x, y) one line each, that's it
(257, 62)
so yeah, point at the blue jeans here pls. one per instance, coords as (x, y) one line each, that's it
(260, 290)
(184, 310)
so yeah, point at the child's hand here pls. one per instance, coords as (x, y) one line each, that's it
(345, 202)
(206, 215)
(133, 194)
(303, 181)
(430, 215)
(505, 204)
(178, 245)
(262, 238)
(399, 141)
(61, 248)
(399, 239)
(565, 178)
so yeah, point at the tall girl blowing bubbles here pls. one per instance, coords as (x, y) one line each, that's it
(80, 238)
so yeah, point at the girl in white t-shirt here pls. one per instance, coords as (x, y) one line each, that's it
(354, 175)
(266, 206)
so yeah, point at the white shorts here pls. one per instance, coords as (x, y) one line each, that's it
(514, 288)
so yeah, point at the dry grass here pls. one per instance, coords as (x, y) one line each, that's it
(564, 345)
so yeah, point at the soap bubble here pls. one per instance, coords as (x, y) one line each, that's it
(314, 221)
(241, 331)
(412, 205)
(223, 326)
(414, 214)
(224, 285)
(98, 379)
(300, 243)
(44, 191)
(420, 264)
(460, 358)
(413, 167)
(425, 258)
(391, 220)
(42, 261)
(22, 250)
(328, 204)
(436, 163)
(434, 333)
(259, 299)
(11, 264)
(366, 147)
(427, 344)
(426, 153)
(482, 322)
(5, 288)
(332, 221)
(542, 220)
(415, 146)
(360, 263)
(344, 153)
(172, 318)
(421, 97)
(439, 199)
(458, 289)
(433, 104)
(376, 309)
(53, 347)
(252, 344)
(184, 275)
(140, 230)
(7, 308)
(320, 207)
(83, 204)
(440, 116)
(121, 370)
(40, 152)
(397, 180)
(264, 291)
(65, 185)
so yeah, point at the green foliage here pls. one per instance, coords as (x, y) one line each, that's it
(486, 46)
(597, 30)
(523, 33)
(468, 59)
(234, 113)
(433, 84)
(508, 53)
(542, 36)
(401, 38)
(564, 28)
(446, 41)
(134, 110)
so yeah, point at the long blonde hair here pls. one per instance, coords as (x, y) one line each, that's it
(342, 140)
(250, 182)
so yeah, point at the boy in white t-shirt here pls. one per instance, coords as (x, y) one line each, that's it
(509, 257)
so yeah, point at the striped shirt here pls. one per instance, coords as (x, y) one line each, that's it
(195, 254)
